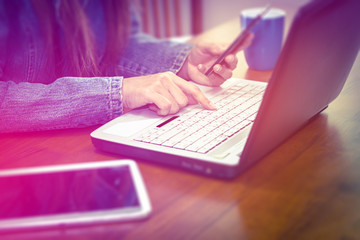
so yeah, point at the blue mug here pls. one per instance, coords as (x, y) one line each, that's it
(265, 48)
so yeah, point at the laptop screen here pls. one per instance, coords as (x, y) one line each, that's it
(316, 59)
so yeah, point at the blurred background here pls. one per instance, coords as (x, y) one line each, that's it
(186, 18)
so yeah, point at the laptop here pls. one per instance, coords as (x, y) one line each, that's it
(253, 117)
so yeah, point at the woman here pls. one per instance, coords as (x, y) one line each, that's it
(76, 63)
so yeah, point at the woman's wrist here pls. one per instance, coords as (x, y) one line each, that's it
(184, 71)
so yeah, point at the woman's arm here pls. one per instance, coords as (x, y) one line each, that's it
(146, 55)
(67, 103)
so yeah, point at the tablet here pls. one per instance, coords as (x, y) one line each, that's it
(71, 194)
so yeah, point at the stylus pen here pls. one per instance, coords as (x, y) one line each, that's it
(239, 40)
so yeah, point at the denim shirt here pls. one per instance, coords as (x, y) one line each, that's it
(32, 99)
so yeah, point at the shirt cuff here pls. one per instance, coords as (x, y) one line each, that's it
(180, 58)
(115, 97)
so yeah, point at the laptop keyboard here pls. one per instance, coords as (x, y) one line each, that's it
(201, 130)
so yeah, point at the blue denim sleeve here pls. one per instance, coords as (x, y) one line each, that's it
(73, 102)
(147, 55)
(67, 103)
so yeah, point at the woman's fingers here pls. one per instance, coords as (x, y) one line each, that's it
(164, 105)
(231, 61)
(175, 97)
(194, 93)
(221, 74)
(165, 93)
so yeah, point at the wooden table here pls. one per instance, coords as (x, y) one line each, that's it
(308, 188)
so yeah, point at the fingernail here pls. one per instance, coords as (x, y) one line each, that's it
(201, 68)
(211, 106)
(230, 58)
(217, 68)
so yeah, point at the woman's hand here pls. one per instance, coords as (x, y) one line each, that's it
(201, 58)
(164, 93)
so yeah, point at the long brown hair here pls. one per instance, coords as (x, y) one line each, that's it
(78, 49)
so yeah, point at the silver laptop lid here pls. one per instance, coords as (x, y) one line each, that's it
(314, 64)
